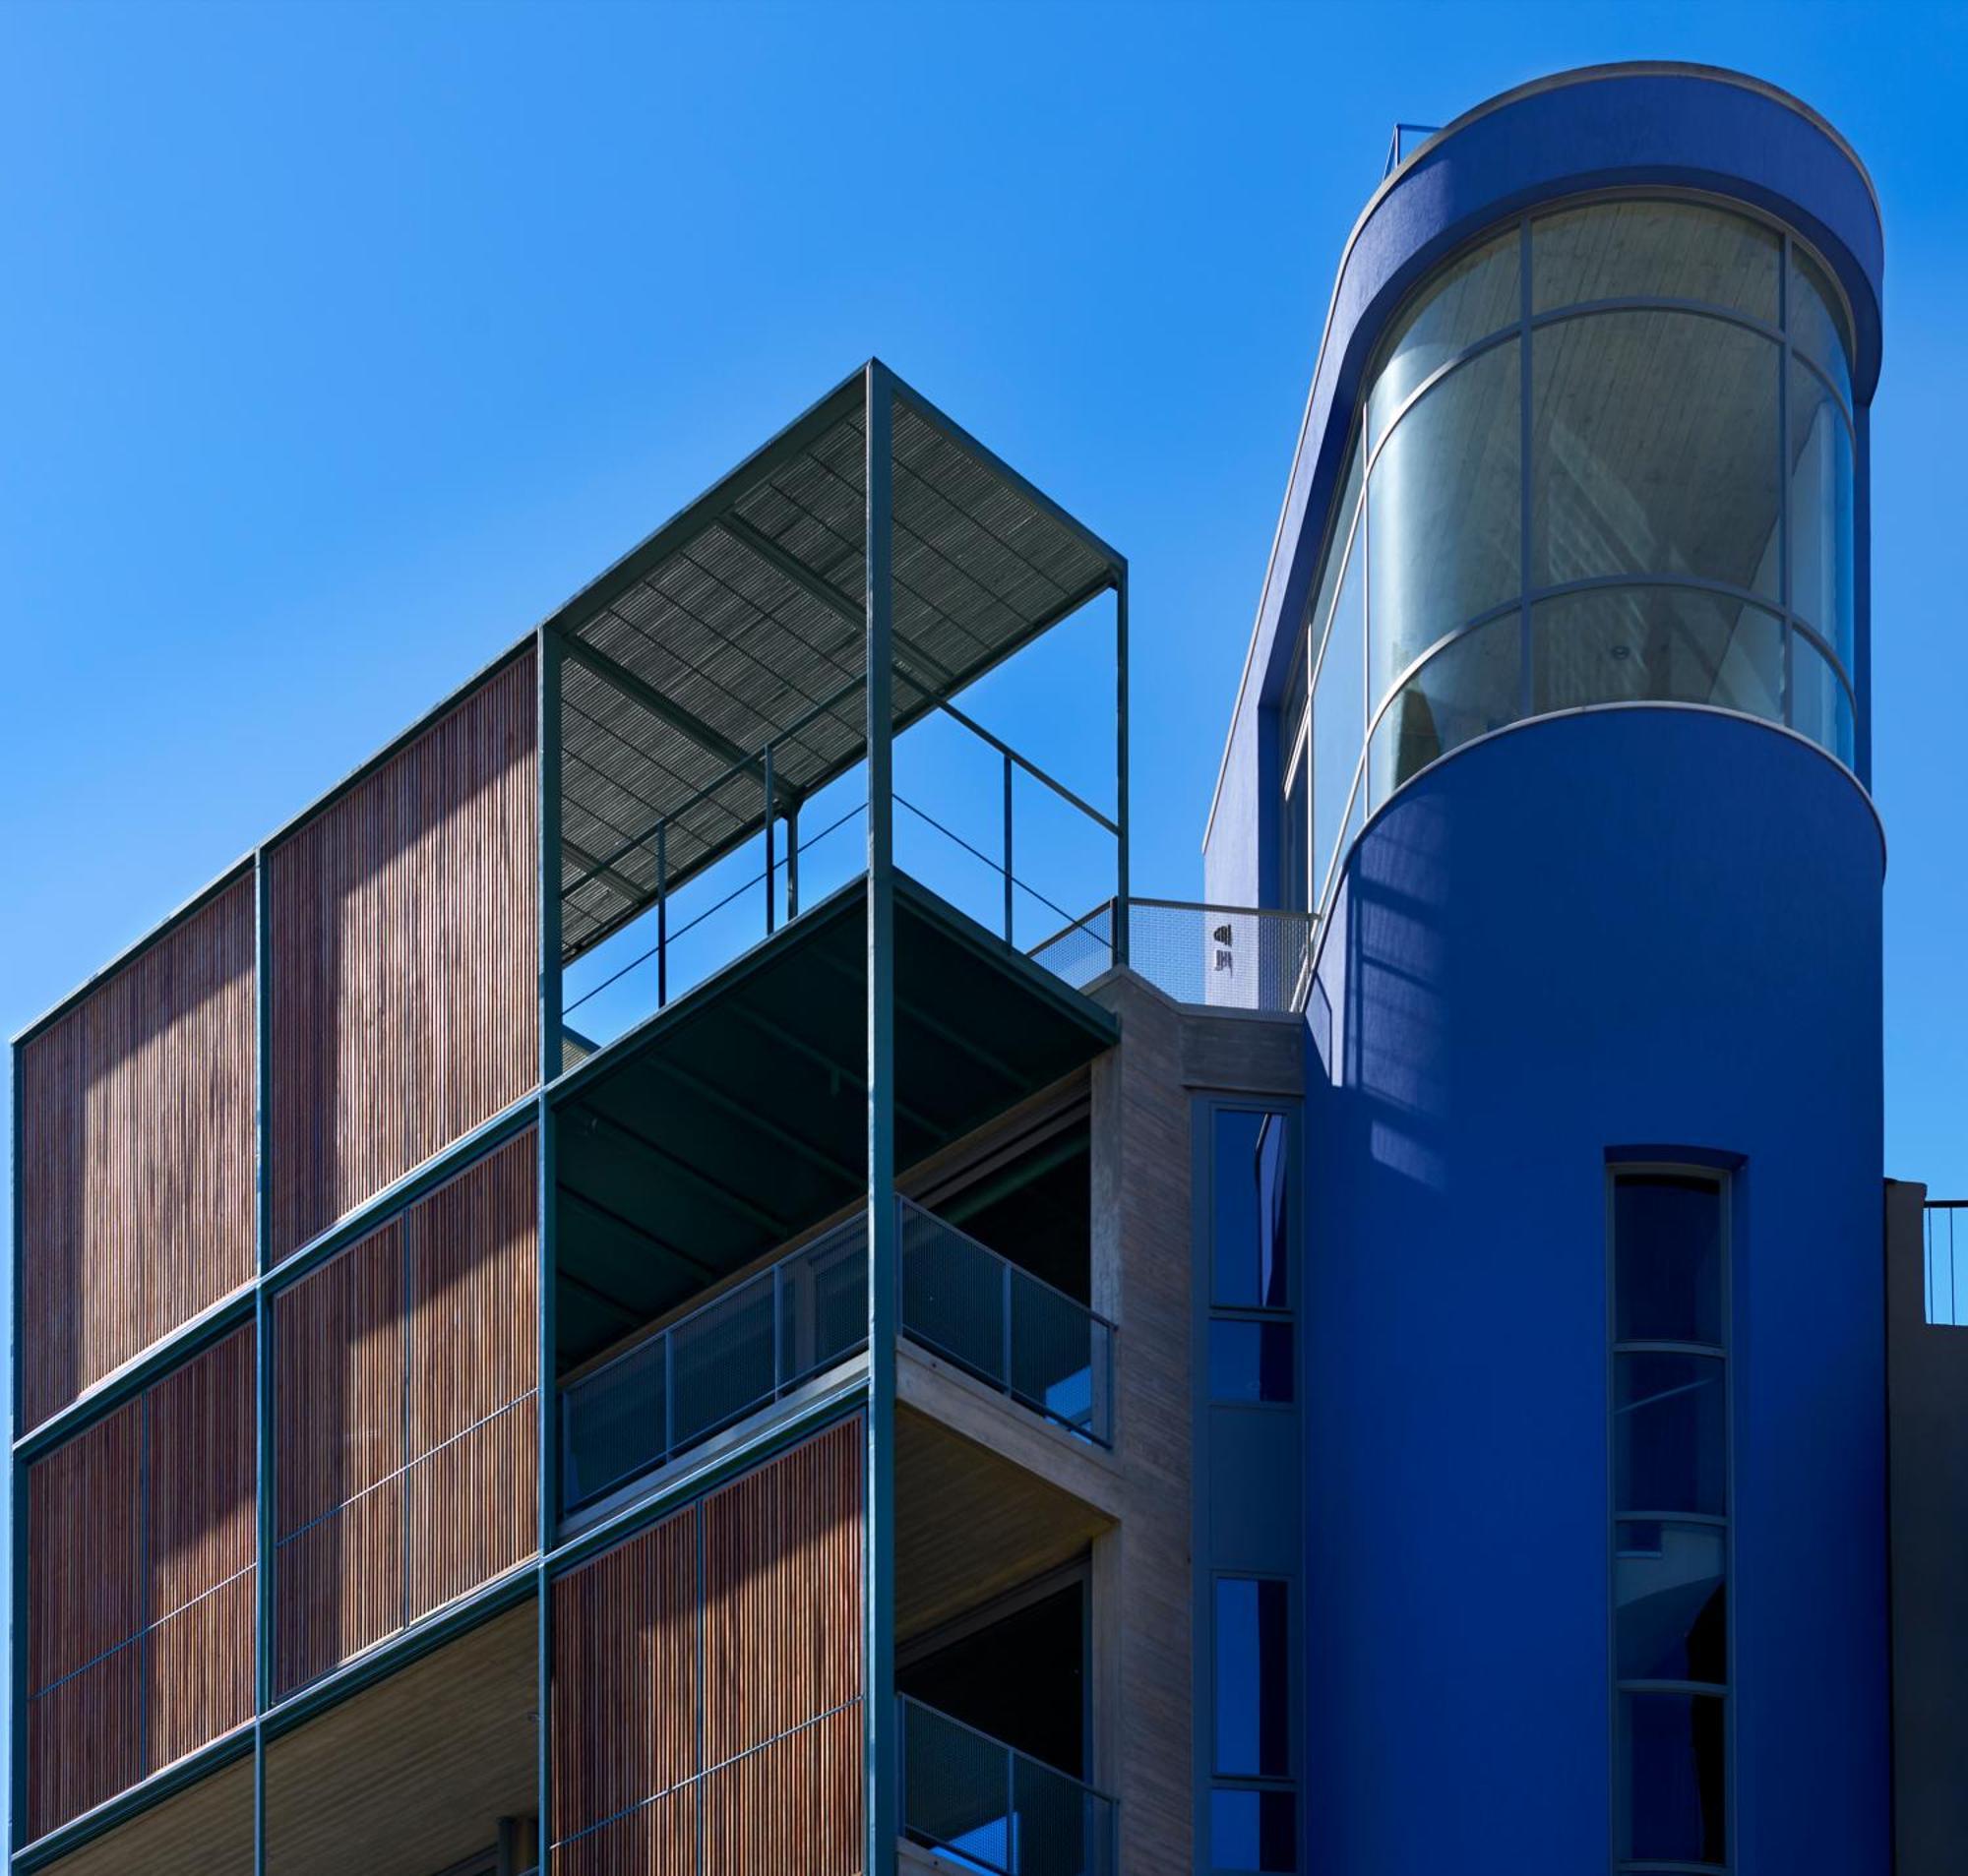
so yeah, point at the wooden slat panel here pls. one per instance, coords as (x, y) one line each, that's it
(782, 1593)
(200, 1520)
(795, 1804)
(625, 1684)
(470, 1418)
(405, 1416)
(137, 1155)
(140, 1585)
(773, 1560)
(402, 942)
(338, 1456)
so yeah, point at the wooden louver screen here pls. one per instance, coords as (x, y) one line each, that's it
(135, 1174)
(141, 1585)
(707, 1682)
(406, 1417)
(402, 952)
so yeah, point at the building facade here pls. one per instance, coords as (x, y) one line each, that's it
(644, 1288)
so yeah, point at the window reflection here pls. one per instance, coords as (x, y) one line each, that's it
(1654, 450)
(1468, 689)
(1468, 300)
(1670, 1617)
(1248, 1260)
(1442, 509)
(1655, 250)
(1668, 1270)
(1659, 643)
(1668, 1434)
(1253, 1678)
(1820, 511)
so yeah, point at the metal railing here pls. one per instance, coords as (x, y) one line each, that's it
(750, 1345)
(981, 1803)
(742, 1351)
(1013, 1331)
(1945, 1243)
(1215, 957)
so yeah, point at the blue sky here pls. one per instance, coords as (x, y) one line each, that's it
(341, 343)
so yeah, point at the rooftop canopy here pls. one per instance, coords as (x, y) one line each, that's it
(713, 677)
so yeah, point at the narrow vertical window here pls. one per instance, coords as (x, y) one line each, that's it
(1670, 1451)
(1250, 1354)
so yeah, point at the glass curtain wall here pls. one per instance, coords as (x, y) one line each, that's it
(1606, 455)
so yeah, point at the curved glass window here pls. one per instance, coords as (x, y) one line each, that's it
(1654, 450)
(1442, 526)
(1821, 512)
(1660, 644)
(1468, 300)
(1609, 459)
(1469, 687)
(1655, 251)
(1817, 323)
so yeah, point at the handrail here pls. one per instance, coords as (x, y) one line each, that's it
(1187, 949)
(684, 1383)
(1013, 1823)
(1945, 1297)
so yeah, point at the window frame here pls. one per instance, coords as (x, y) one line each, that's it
(1284, 1314)
(1722, 1173)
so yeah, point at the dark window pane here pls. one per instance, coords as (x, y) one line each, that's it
(1669, 1433)
(1671, 1602)
(1253, 1678)
(1667, 1258)
(1671, 1778)
(1253, 1831)
(1250, 1361)
(1249, 1229)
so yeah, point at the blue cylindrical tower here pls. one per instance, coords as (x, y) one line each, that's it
(1558, 716)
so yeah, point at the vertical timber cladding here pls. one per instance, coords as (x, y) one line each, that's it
(760, 1747)
(402, 957)
(140, 1585)
(406, 1417)
(136, 1170)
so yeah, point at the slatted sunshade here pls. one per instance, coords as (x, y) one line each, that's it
(741, 623)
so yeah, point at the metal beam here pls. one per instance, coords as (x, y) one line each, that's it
(750, 1114)
(879, 1519)
(1120, 941)
(664, 710)
(728, 1197)
(779, 1033)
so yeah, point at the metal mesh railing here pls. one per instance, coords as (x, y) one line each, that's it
(1945, 1222)
(963, 1301)
(710, 1368)
(1218, 956)
(984, 1805)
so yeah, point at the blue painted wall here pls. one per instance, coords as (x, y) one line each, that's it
(1636, 926)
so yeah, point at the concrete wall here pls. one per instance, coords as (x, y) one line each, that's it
(1927, 1394)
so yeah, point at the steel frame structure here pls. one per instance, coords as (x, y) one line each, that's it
(879, 393)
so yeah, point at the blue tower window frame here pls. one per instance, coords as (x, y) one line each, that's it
(1649, 1709)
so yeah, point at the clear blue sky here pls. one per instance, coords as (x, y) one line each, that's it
(340, 342)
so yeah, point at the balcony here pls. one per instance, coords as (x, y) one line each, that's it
(765, 1338)
(1210, 956)
(980, 1804)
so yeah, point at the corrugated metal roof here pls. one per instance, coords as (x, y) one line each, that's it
(740, 623)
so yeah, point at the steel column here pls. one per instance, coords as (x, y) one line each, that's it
(1010, 908)
(548, 756)
(1121, 763)
(546, 1416)
(879, 1646)
(772, 849)
(264, 1454)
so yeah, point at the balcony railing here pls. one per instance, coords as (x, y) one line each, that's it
(757, 1342)
(1217, 956)
(983, 1804)
(1947, 1248)
(1011, 1330)
(742, 1351)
